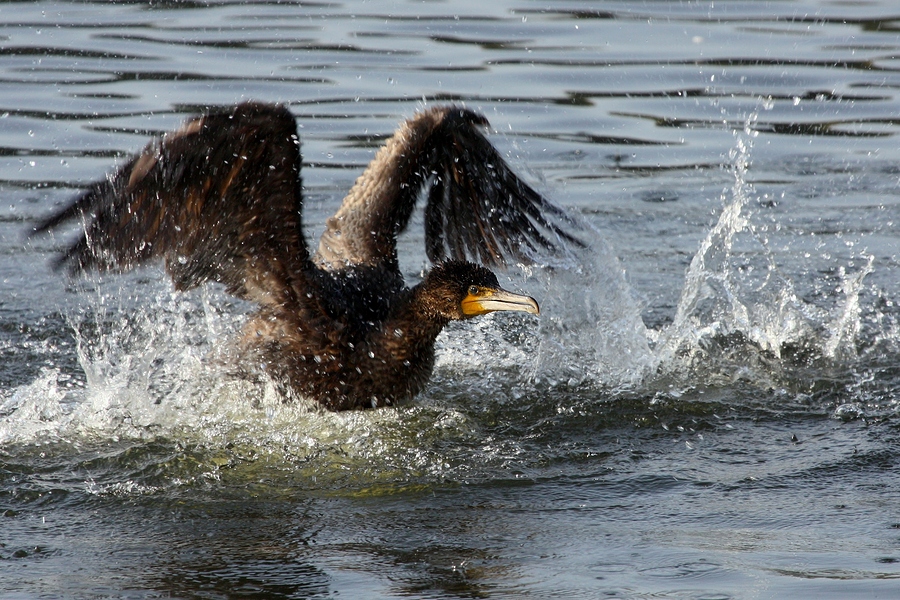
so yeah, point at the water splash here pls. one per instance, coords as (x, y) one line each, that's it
(845, 324)
(738, 317)
(738, 313)
(591, 332)
(155, 389)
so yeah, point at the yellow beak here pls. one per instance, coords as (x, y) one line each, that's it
(490, 300)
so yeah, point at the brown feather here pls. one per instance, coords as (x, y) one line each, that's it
(220, 200)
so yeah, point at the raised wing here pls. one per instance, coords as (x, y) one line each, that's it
(477, 207)
(218, 199)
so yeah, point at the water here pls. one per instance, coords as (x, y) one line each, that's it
(706, 408)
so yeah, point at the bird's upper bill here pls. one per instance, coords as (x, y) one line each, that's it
(481, 300)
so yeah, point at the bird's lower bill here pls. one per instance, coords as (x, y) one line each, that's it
(495, 300)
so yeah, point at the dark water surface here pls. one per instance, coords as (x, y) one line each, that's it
(706, 408)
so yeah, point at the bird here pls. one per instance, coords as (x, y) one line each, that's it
(220, 200)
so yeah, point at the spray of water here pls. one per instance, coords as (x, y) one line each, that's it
(738, 313)
(150, 374)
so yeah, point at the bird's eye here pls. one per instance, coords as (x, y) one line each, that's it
(473, 290)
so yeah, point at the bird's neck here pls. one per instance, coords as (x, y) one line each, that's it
(412, 327)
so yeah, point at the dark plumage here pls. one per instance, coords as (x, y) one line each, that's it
(220, 199)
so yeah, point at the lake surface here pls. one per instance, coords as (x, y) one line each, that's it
(707, 406)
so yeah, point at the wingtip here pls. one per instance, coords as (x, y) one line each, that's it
(79, 206)
(457, 114)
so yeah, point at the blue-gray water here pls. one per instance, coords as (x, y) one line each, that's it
(706, 408)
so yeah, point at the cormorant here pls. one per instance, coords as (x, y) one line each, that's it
(220, 199)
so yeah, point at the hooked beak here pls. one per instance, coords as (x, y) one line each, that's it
(490, 300)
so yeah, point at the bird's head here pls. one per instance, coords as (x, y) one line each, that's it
(459, 290)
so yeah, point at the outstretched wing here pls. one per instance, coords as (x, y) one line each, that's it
(218, 199)
(477, 207)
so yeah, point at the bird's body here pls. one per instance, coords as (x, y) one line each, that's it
(220, 199)
(349, 359)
